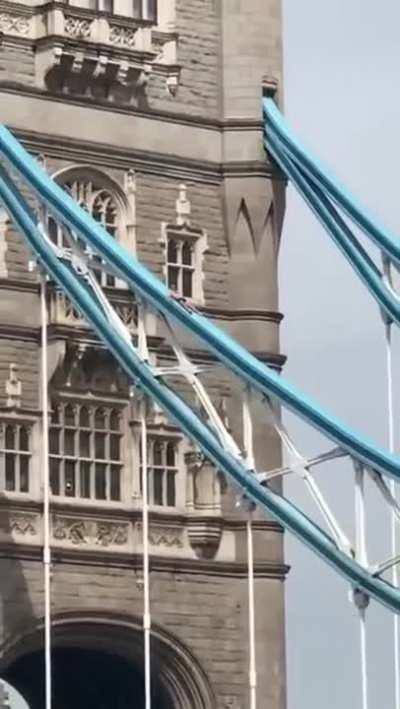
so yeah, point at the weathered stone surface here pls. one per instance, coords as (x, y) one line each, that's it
(208, 138)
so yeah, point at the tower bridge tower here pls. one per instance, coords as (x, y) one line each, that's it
(149, 114)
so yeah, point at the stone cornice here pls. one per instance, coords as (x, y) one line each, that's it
(147, 162)
(19, 286)
(128, 512)
(224, 569)
(19, 332)
(236, 314)
(214, 124)
(31, 334)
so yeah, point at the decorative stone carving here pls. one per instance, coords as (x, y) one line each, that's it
(88, 368)
(77, 62)
(101, 66)
(183, 207)
(14, 23)
(166, 536)
(76, 27)
(71, 530)
(130, 181)
(109, 534)
(122, 73)
(205, 522)
(81, 532)
(13, 388)
(123, 36)
(160, 536)
(23, 525)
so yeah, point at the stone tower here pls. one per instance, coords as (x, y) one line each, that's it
(149, 114)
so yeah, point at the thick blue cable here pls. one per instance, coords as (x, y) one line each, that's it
(382, 237)
(232, 354)
(179, 411)
(339, 231)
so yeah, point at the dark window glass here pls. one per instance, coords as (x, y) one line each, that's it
(171, 454)
(100, 482)
(55, 476)
(55, 416)
(187, 278)
(54, 440)
(100, 418)
(69, 415)
(137, 8)
(173, 278)
(70, 478)
(23, 439)
(69, 441)
(115, 492)
(157, 453)
(84, 444)
(158, 486)
(100, 446)
(171, 488)
(10, 471)
(85, 479)
(52, 230)
(114, 420)
(24, 473)
(114, 447)
(152, 9)
(187, 253)
(84, 417)
(105, 5)
(172, 251)
(10, 438)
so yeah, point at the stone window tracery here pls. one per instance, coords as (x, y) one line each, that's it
(180, 266)
(185, 246)
(139, 9)
(103, 207)
(162, 468)
(85, 445)
(15, 456)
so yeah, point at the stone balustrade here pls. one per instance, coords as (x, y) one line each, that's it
(81, 51)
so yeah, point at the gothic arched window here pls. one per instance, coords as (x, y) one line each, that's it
(103, 206)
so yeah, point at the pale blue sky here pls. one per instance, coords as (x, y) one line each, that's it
(342, 69)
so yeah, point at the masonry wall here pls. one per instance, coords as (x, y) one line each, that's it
(208, 137)
(210, 617)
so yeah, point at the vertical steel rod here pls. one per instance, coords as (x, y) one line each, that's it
(360, 598)
(252, 638)
(145, 534)
(393, 520)
(142, 345)
(364, 665)
(46, 495)
(249, 449)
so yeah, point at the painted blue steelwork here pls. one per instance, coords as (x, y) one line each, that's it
(338, 230)
(274, 121)
(178, 410)
(143, 282)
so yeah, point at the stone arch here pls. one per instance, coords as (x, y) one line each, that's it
(181, 677)
(125, 198)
